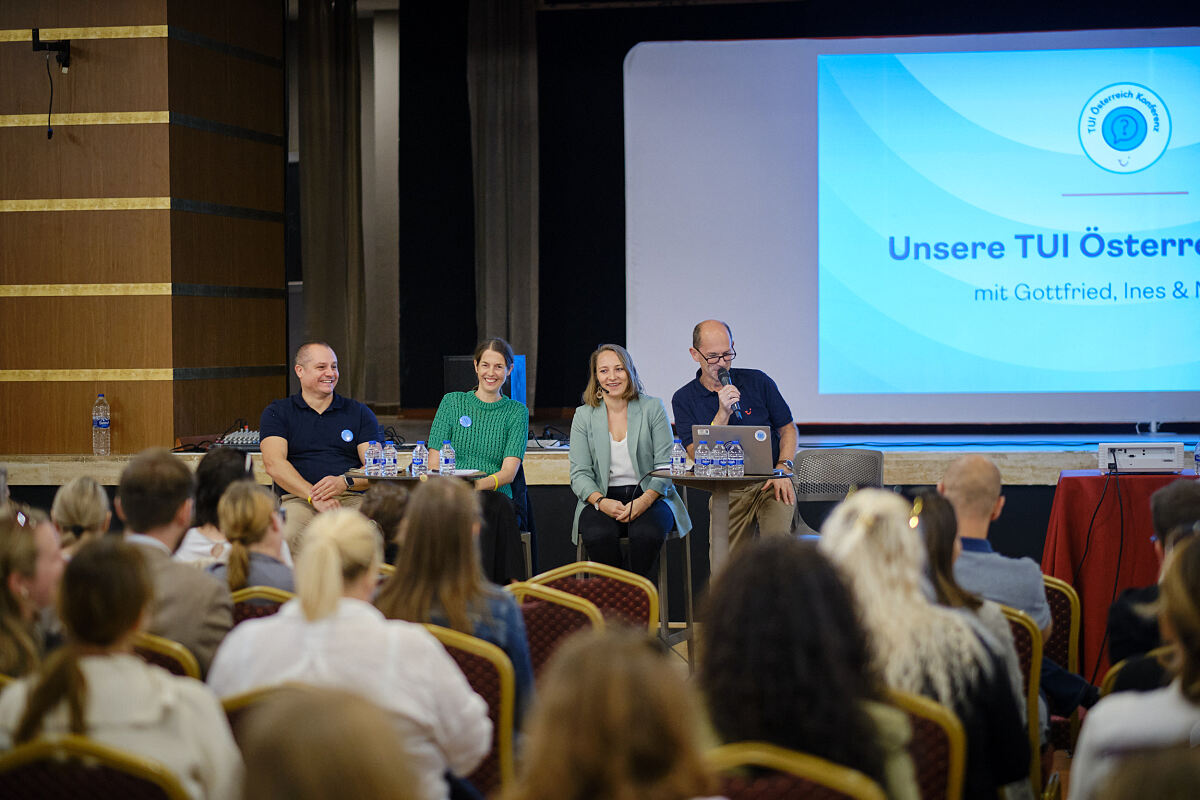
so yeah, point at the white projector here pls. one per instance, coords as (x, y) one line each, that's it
(1141, 457)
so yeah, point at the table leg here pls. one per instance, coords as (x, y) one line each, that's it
(718, 528)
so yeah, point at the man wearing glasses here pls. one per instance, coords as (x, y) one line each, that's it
(769, 506)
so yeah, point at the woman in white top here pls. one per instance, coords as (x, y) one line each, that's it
(618, 436)
(1127, 723)
(204, 542)
(97, 687)
(331, 635)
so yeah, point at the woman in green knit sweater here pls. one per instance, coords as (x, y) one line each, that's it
(488, 432)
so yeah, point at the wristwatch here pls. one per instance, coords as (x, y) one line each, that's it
(787, 462)
(349, 481)
(596, 505)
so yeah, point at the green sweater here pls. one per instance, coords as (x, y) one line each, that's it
(483, 434)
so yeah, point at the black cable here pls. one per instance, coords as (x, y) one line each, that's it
(1087, 542)
(49, 130)
(1116, 580)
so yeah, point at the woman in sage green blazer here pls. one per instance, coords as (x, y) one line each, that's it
(618, 436)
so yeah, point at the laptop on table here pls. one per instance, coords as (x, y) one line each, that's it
(755, 441)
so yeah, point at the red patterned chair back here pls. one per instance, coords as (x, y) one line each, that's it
(490, 673)
(168, 654)
(1063, 645)
(550, 617)
(938, 746)
(1028, 640)
(71, 767)
(253, 602)
(621, 596)
(761, 771)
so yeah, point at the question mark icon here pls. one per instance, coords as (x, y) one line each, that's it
(1125, 134)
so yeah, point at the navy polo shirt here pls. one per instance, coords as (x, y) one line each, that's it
(761, 402)
(320, 444)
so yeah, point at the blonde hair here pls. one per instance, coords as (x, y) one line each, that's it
(917, 646)
(339, 546)
(80, 510)
(1180, 604)
(612, 719)
(438, 560)
(18, 554)
(244, 514)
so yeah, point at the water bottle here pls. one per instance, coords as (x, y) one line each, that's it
(373, 459)
(1196, 458)
(678, 458)
(101, 432)
(446, 458)
(389, 459)
(703, 459)
(737, 460)
(420, 460)
(720, 461)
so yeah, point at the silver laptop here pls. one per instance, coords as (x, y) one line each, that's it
(755, 441)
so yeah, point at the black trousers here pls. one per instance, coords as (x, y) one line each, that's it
(500, 540)
(601, 534)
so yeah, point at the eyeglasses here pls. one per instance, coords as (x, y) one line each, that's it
(718, 357)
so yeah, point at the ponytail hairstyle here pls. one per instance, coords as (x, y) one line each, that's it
(938, 524)
(1181, 607)
(18, 555)
(81, 510)
(244, 512)
(105, 589)
(339, 546)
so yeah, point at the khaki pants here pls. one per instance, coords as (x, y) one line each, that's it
(753, 511)
(300, 513)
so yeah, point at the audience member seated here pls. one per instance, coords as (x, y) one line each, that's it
(384, 504)
(488, 432)
(923, 648)
(354, 752)
(618, 436)
(1133, 618)
(1130, 723)
(31, 565)
(81, 512)
(972, 484)
(205, 543)
(253, 522)
(96, 687)
(438, 577)
(613, 719)
(154, 498)
(786, 661)
(331, 635)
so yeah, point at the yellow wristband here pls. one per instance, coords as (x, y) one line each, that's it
(496, 480)
(310, 499)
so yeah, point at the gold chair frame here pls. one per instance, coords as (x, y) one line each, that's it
(522, 589)
(81, 748)
(171, 649)
(948, 721)
(1032, 685)
(818, 770)
(1110, 677)
(262, 593)
(604, 570)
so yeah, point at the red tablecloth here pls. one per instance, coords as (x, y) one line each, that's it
(1075, 501)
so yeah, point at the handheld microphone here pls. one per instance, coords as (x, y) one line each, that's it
(723, 377)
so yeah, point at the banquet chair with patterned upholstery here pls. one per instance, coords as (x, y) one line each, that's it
(166, 653)
(1109, 683)
(1028, 640)
(71, 767)
(1063, 649)
(828, 474)
(621, 596)
(490, 673)
(762, 771)
(550, 617)
(938, 745)
(237, 706)
(253, 602)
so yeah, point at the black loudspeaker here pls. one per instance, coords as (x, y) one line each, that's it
(458, 375)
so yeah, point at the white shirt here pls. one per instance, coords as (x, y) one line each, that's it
(397, 665)
(149, 712)
(620, 469)
(196, 547)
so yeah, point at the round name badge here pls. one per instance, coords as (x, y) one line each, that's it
(760, 436)
(347, 435)
(465, 421)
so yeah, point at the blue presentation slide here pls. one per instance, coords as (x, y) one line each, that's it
(1017, 221)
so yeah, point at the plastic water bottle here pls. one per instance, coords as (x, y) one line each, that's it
(446, 458)
(101, 430)
(703, 459)
(390, 469)
(720, 461)
(1195, 457)
(737, 460)
(420, 460)
(373, 459)
(678, 458)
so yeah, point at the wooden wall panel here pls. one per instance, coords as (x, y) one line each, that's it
(84, 161)
(85, 332)
(81, 14)
(220, 169)
(209, 407)
(55, 417)
(105, 75)
(225, 251)
(255, 25)
(225, 88)
(238, 331)
(85, 247)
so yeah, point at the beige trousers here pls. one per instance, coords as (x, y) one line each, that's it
(300, 513)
